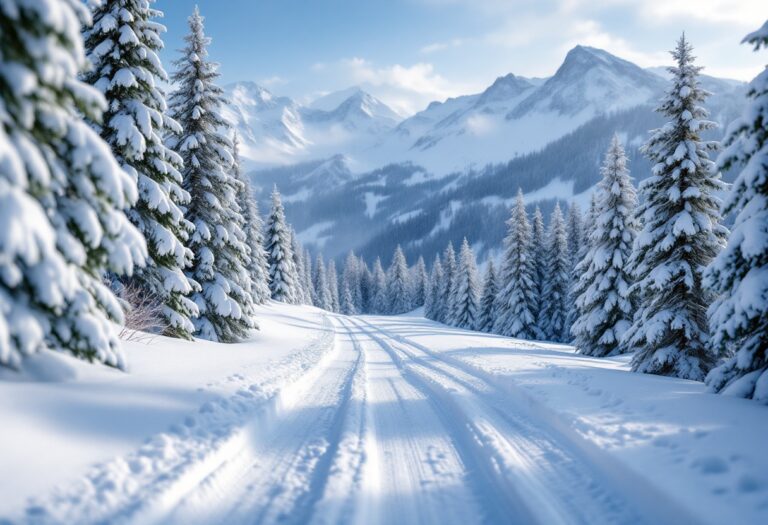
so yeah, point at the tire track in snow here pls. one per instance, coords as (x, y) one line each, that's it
(413, 473)
(564, 483)
(334, 504)
(281, 470)
(498, 500)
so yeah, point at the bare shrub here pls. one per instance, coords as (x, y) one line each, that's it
(143, 313)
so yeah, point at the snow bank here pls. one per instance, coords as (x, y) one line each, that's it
(64, 416)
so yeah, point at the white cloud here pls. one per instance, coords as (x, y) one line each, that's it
(442, 46)
(743, 13)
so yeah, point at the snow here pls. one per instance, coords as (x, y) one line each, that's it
(372, 201)
(317, 234)
(334, 419)
(64, 415)
(406, 216)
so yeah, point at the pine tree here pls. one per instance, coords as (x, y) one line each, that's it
(602, 298)
(398, 284)
(283, 278)
(555, 305)
(218, 243)
(539, 261)
(298, 262)
(333, 286)
(448, 286)
(575, 236)
(433, 305)
(310, 293)
(466, 305)
(62, 195)
(739, 275)
(516, 307)
(351, 278)
(347, 303)
(487, 306)
(574, 233)
(253, 228)
(420, 281)
(681, 234)
(588, 226)
(322, 289)
(122, 44)
(380, 297)
(366, 286)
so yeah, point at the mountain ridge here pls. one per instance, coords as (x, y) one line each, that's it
(450, 170)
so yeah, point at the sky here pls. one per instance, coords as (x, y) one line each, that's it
(411, 52)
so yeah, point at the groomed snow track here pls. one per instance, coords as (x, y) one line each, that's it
(368, 427)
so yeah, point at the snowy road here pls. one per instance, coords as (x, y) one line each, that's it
(380, 429)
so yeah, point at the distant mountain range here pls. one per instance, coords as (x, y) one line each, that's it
(356, 175)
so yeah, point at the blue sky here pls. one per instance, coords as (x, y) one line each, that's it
(410, 52)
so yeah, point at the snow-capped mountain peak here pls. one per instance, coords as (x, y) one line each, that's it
(503, 89)
(350, 104)
(278, 130)
(591, 81)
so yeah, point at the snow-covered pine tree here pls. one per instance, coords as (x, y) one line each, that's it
(398, 284)
(555, 307)
(347, 303)
(122, 45)
(432, 304)
(218, 243)
(307, 283)
(62, 194)
(298, 262)
(738, 319)
(253, 228)
(487, 305)
(681, 234)
(588, 226)
(322, 289)
(602, 299)
(351, 277)
(539, 261)
(517, 302)
(380, 298)
(420, 281)
(575, 236)
(465, 308)
(448, 286)
(283, 278)
(574, 233)
(366, 286)
(333, 285)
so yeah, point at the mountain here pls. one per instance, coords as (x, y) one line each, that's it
(515, 116)
(278, 131)
(591, 81)
(354, 102)
(453, 169)
(270, 128)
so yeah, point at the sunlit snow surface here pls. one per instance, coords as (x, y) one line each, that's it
(327, 419)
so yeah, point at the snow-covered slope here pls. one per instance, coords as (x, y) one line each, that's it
(323, 418)
(591, 81)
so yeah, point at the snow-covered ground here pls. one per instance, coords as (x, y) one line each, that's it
(330, 419)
